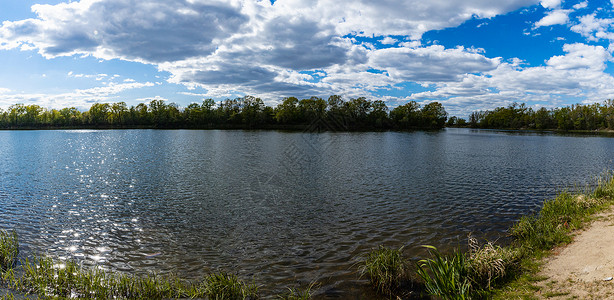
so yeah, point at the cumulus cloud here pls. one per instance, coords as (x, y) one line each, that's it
(594, 28)
(555, 17)
(389, 41)
(430, 64)
(389, 17)
(579, 72)
(149, 31)
(581, 5)
(551, 3)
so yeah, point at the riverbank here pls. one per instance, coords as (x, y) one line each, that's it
(571, 257)
(534, 266)
(584, 268)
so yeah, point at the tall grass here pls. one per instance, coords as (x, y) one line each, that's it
(445, 277)
(224, 286)
(489, 263)
(299, 294)
(385, 268)
(46, 278)
(9, 249)
(558, 217)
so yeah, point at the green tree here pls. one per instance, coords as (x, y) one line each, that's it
(434, 115)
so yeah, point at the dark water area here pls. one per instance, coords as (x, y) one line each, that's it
(280, 208)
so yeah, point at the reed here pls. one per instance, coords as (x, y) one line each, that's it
(9, 249)
(385, 268)
(299, 294)
(445, 276)
(224, 286)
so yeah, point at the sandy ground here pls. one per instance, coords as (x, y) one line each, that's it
(584, 268)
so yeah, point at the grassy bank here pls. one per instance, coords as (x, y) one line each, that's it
(489, 270)
(46, 278)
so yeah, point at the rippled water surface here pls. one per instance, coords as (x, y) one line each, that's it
(281, 208)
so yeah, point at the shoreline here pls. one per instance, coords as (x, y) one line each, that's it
(489, 270)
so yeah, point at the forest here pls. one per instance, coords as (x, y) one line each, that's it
(333, 114)
(580, 117)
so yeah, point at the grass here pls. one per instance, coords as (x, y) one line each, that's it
(50, 279)
(385, 269)
(299, 294)
(228, 286)
(47, 278)
(445, 276)
(9, 249)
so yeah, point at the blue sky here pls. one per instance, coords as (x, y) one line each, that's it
(470, 55)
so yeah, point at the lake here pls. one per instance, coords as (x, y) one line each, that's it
(281, 208)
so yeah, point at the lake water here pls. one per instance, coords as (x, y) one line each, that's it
(281, 208)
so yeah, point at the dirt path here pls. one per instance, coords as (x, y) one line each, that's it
(581, 270)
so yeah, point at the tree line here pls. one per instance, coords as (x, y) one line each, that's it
(247, 112)
(594, 116)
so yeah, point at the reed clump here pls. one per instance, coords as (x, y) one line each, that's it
(298, 293)
(9, 249)
(224, 286)
(385, 268)
(445, 276)
(490, 263)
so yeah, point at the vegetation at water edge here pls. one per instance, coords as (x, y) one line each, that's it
(489, 270)
(333, 114)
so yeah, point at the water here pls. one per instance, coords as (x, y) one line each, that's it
(281, 208)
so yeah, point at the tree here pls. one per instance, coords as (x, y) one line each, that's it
(434, 115)
(407, 115)
(287, 112)
(99, 113)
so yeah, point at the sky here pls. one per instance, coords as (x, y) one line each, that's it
(469, 55)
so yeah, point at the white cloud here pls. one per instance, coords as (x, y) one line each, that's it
(4, 90)
(578, 73)
(555, 17)
(594, 28)
(430, 64)
(581, 5)
(580, 56)
(389, 41)
(389, 17)
(551, 3)
(150, 31)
